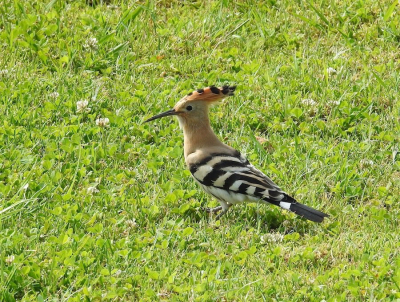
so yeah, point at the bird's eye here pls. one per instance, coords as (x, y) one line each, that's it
(189, 108)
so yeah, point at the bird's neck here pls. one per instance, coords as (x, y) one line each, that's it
(198, 135)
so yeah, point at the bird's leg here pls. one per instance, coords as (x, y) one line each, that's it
(213, 210)
(224, 210)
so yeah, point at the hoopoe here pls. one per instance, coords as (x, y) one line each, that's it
(221, 170)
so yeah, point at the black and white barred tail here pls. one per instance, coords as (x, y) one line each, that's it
(302, 210)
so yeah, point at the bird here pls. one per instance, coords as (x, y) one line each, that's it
(219, 169)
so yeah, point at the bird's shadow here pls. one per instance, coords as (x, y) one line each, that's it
(263, 220)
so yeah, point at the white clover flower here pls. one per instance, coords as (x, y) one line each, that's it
(366, 163)
(334, 103)
(92, 190)
(103, 122)
(10, 259)
(26, 186)
(91, 43)
(118, 272)
(309, 102)
(331, 71)
(131, 223)
(82, 106)
(271, 238)
(111, 6)
(3, 72)
(54, 95)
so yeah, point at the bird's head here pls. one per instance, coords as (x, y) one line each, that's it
(194, 106)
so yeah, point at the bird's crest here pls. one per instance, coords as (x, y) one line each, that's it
(210, 94)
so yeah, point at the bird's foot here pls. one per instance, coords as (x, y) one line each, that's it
(221, 214)
(213, 210)
(224, 210)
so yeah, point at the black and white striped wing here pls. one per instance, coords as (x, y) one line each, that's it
(233, 179)
(234, 174)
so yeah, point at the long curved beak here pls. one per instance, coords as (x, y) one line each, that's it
(166, 113)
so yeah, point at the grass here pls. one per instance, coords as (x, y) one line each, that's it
(110, 213)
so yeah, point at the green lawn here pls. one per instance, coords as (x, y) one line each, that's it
(107, 211)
